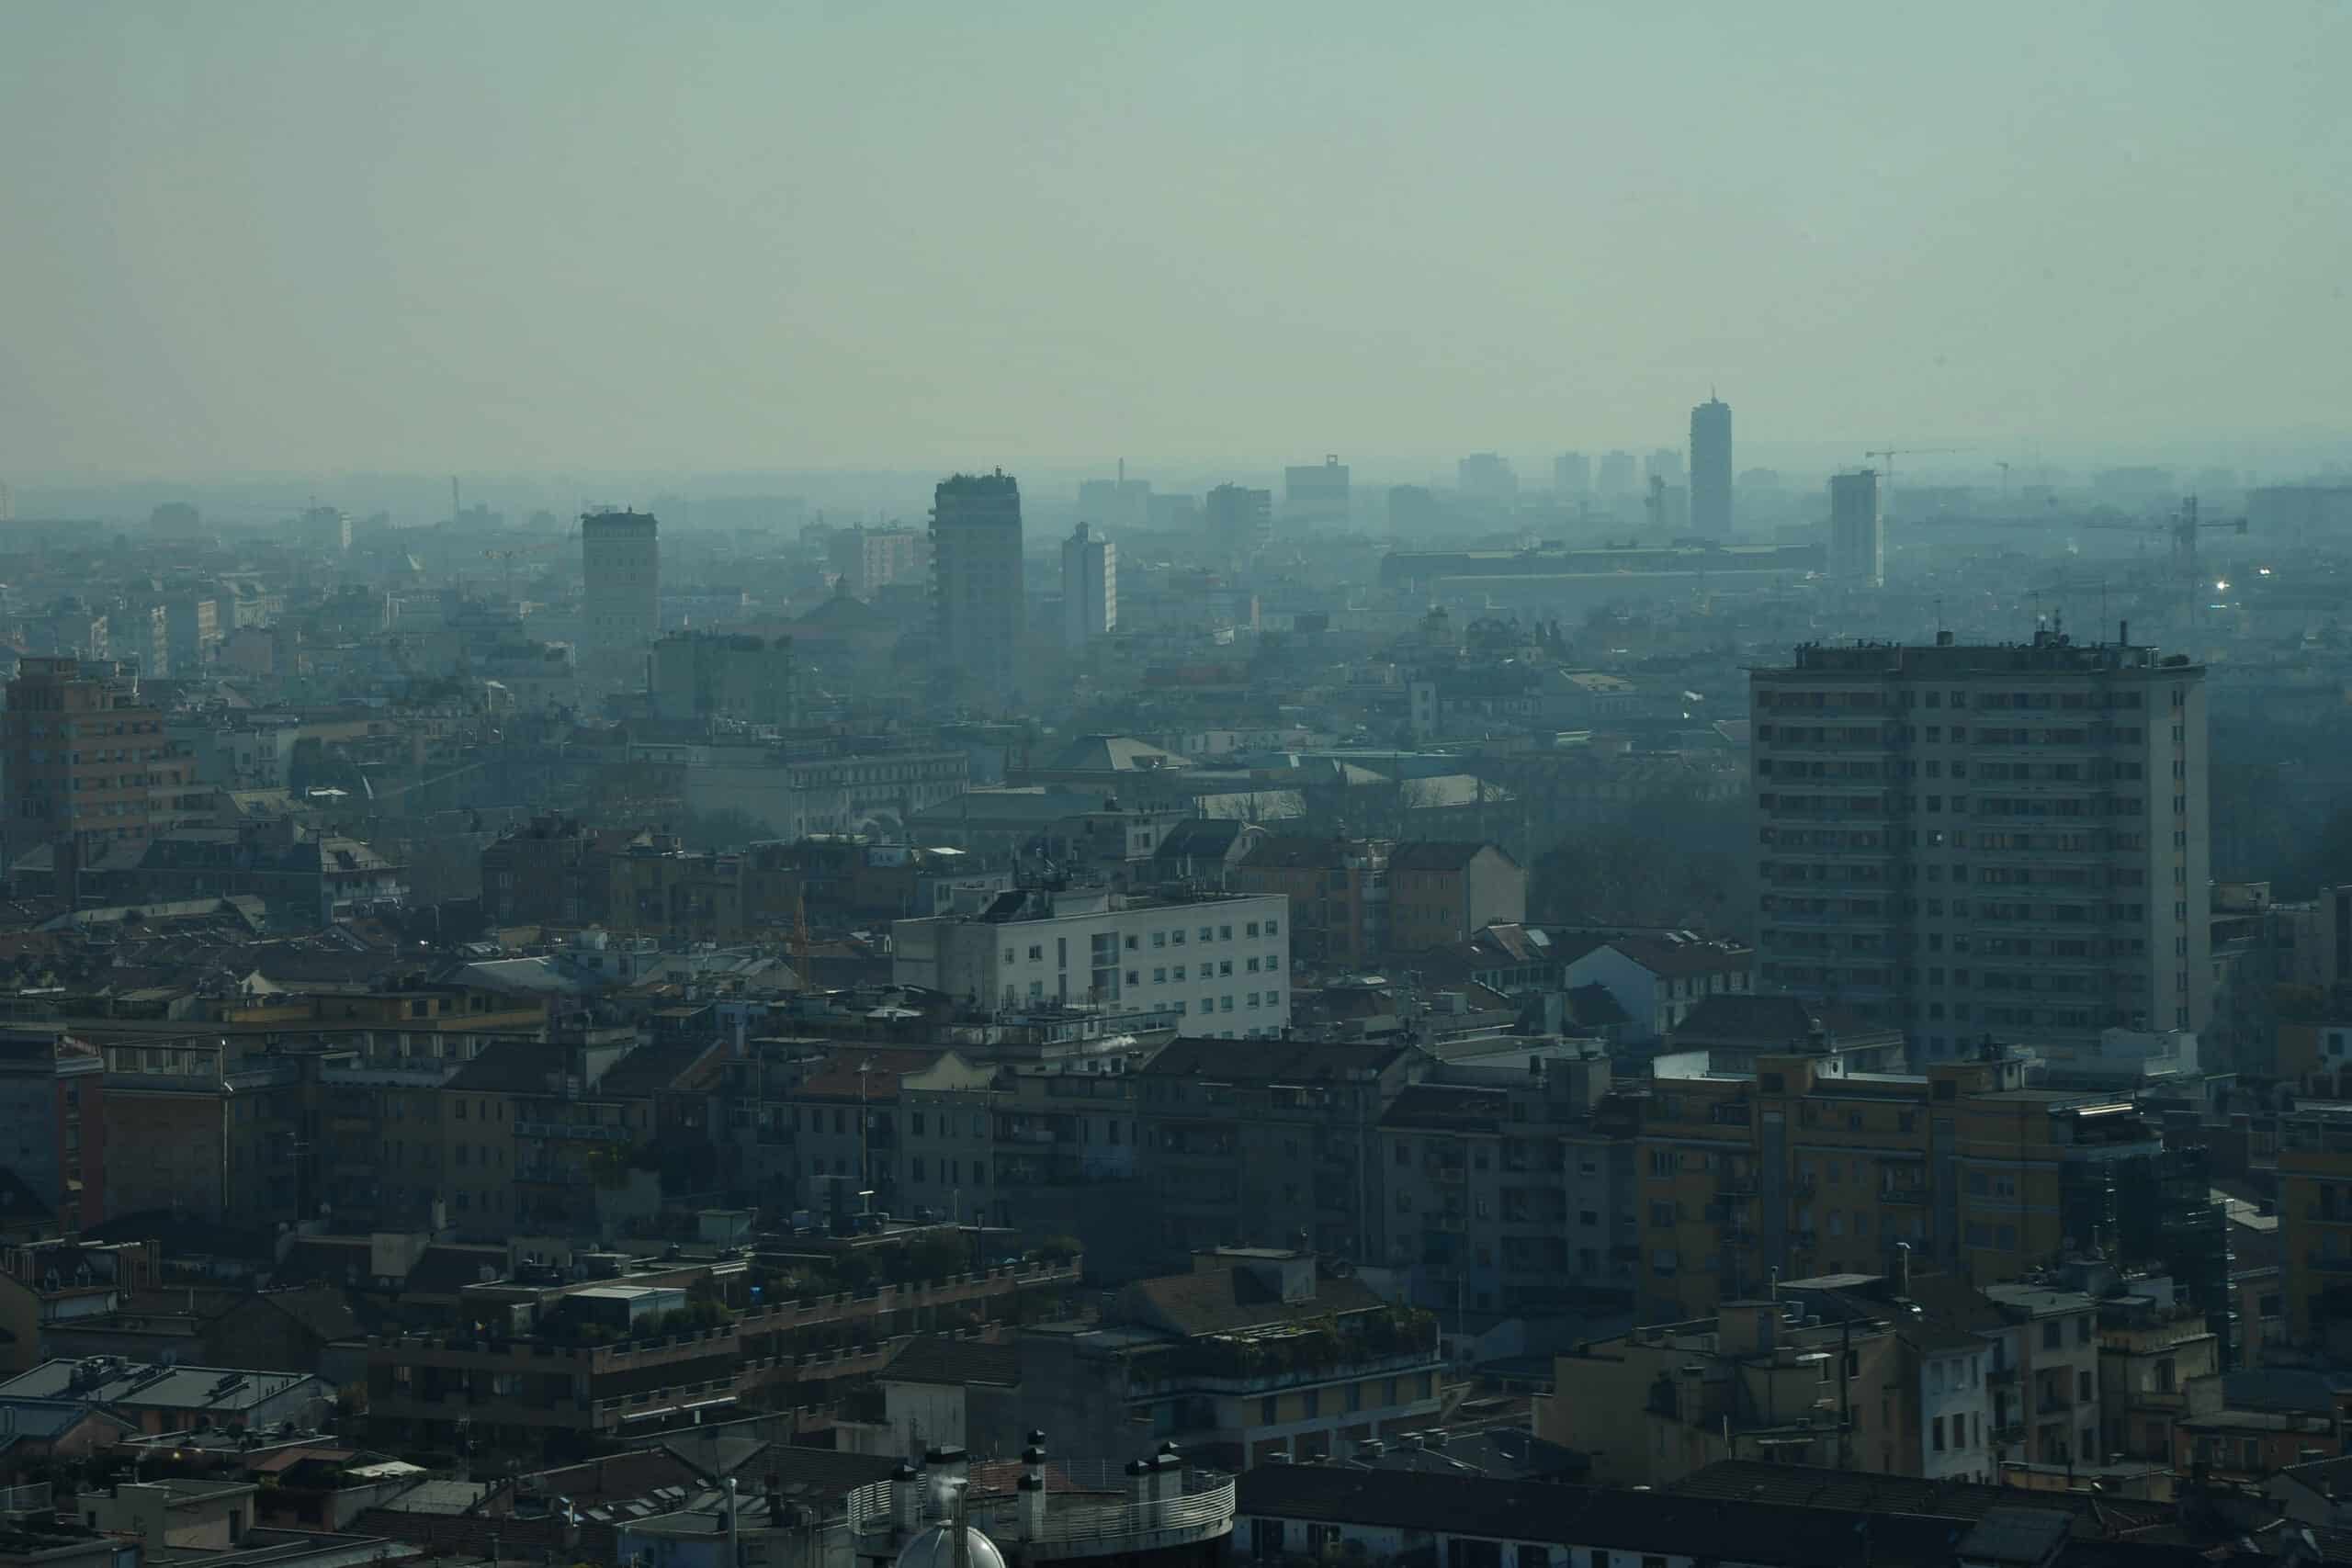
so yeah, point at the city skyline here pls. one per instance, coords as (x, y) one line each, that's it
(466, 262)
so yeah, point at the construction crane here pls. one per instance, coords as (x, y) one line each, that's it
(1891, 453)
(507, 558)
(2183, 527)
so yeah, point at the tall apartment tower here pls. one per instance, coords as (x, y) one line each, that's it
(1240, 521)
(1857, 529)
(620, 561)
(1571, 476)
(1315, 493)
(86, 760)
(978, 603)
(1617, 473)
(1710, 469)
(1090, 587)
(1971, 841)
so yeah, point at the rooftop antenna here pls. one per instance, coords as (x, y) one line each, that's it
(453, 497)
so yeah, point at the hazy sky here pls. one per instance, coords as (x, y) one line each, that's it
(315, 236)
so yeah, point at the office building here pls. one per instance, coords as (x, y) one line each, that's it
(1857, 529)
(1571, 475)
(1317, 493)
(1241, 522)
(980, 604)
(1711, 468)
(1664, 467)
(2317, 514)
(1486, 476)
(735, 676)
(1963, 840)
(620, 559)
(1616, 474)
(86, 760)
(1090, 587)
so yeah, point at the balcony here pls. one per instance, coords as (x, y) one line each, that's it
(2008, 1432)
(1102, 1514)
(1908, 1195)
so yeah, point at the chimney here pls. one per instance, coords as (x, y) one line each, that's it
(1032, 1487)
(1168, 1472)
(2123, 633)
(905, 1497)
(949, 1469)
(1903, 1268)
(1139, 1483)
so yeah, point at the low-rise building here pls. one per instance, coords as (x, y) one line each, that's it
(1441, 893)
(1219, 963)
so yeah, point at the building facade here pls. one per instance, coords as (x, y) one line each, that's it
(1217, 964)
(621, 570)
(1964, 838)
(1090, 587)
(86, 760)
(1710, 469)
(1857, 529)
(980, 603)
(724, 675)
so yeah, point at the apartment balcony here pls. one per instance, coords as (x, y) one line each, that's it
(584, 1131)
(2001, 1377)
(1906, 1195)
(2007, 1433)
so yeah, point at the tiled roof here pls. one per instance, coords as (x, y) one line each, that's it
(935, 1359)
(1441, 855)
(1271, 1061)
(1221, 1300)
(1678, 958)
(1448, 1107)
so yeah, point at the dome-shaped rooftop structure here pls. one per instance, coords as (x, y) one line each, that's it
(934, 1547)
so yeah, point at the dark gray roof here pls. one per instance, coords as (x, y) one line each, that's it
(935, 1359)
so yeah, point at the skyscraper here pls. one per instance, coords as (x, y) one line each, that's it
(1571, 475)
(1665, 465)
(1090, 587)
(1711, 468)
(1241, 522)
(980, 604)
(1857, 531)
(1969, 841)
(620, 563)
(1617, 474)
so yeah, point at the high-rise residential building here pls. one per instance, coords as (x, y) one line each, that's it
(868, 559)
(1664, 465)
(1315, 493)
(620, 557)
(1090, 586)
(1857, 529)
(1241, 522)
(1616, 474)
(1711, 468)
(1964, 840)
(735, 676)
(980, 604)
(1571, 475)
(86, 759)
(1487, 476)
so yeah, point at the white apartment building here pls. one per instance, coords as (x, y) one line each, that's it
(1218, 962)
(1090, 587)
(2006, 840)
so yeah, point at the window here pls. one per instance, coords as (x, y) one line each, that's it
(2050, 1330)
(1266, 1408)
(1936, 1433)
